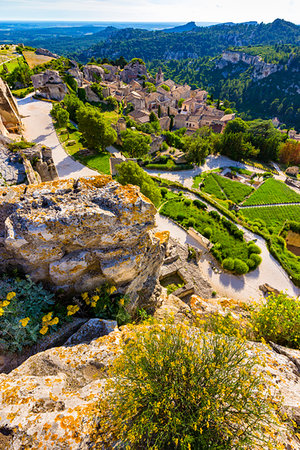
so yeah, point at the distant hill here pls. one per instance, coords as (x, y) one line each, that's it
(181, 28)
(195, 43)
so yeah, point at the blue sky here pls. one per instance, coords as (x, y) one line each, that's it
(151, 10)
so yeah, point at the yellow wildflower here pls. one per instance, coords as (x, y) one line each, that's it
(121, 301)
(72, 309)
(4, 303)
(10, 295)
(24, 322)
(112, 289)
(1, 311)
(47, 317)
(95, 298)
(44, 330)
(54, 321)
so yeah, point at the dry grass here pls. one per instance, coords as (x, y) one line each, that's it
(35, 60)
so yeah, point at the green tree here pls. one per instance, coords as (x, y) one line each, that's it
(131, 173)
(236, 126)
(96, 132)
(135, 143)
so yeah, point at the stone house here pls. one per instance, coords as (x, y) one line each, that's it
(137, 100)
(140, 116)
(165, 123)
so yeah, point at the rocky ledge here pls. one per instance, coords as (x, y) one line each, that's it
(49, 401)
(78, 234)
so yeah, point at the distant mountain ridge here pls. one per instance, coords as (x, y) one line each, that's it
(181, 28)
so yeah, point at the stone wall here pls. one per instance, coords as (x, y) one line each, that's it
(79, 234)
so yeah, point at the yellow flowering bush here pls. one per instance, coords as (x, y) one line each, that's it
(279, 320)
(173, 387)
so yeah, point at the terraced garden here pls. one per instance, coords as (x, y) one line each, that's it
(272, 192)
(273, 216)
(229, 247)
(225, 189)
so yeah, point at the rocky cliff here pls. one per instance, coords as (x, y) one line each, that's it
(261, 69)
(49, 85)
(78, 234)
(10, 120)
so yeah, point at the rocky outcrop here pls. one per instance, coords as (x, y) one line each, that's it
(45, 52)
(12, 168)
(133, 71)
(90, 95)
(93, 73)
(9, 114)
(78, 234)
(261, 69)
(30, 165)
(49, 85)
(52, 398)
(77, 75)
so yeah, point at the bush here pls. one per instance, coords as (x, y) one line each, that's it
(174, 388)
(240, 267)
(207, 232)
(187, 202)
(22, 306)
(279, 320)
(256, 259)
(164, 191)
(252, 248)
(180, 217)
(199, 205)
(228, 264)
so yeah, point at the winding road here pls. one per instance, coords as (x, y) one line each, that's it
(38, 127)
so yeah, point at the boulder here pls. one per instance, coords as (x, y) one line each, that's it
(133, 71)
(52, 398)
(9, 114)
(49, 85)
(78, 234)
(12, 169)
(91, 330)
(77, 74)
(45, 52)
(93, 73)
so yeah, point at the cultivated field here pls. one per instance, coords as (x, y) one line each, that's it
(226, 189)
(271, 192)
(273, 216)
(35, 60)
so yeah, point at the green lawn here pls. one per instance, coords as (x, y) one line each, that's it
(273, 216)
(272, 191)
(93, 159)
(11, 65)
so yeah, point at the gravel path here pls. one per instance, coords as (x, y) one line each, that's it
(270, 204)
(244, 287)
(39, 128)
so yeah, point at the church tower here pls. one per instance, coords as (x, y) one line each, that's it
(159, 76)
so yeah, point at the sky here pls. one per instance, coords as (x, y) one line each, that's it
(151, 10)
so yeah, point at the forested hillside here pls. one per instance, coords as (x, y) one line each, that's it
(200, 41)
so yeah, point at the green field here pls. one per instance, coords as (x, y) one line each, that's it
(96, 160)
(225, 189)
(273, 216)
(272, 191)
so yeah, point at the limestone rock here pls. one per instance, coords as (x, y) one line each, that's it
(12, 169)
(77, 74)
(93, 329)
(9, 113)
(49, 85)
(78, 234)
(133, 71)
(93, 73)
(45, 52)
(170, 305)
(51, 398)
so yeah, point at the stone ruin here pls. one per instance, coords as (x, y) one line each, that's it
(10, 120)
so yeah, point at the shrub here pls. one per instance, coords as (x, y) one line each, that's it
(164, 191)
(256, 259)
(214, 215)
(207, 232)
(187, 202)
(228, 264)
(173, 388)
(22, 306)
(252, 248)
(279, 320)
(240, 267)
(199, 205)
(180, 217)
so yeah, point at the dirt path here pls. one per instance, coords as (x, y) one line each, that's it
(38, 127)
